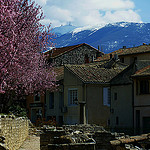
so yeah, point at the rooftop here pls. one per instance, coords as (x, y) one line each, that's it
(93, 74)
(59, 51)
(142, 72)
(136, 50)
(126, 51)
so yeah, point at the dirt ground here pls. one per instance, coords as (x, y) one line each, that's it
(31, 143)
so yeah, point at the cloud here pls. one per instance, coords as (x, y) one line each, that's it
(88, 12)
(41, 2)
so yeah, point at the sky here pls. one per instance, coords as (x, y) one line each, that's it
(94, 12)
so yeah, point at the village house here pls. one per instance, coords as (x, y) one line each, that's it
(87, 94)
(76, 54)
(125, 113)
(141, 101)
(50, 105)
(123, 116)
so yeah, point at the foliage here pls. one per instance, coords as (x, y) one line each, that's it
(17, 111)
(23, 68)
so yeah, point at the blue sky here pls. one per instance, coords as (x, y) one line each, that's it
(144, 9)
(94, 12)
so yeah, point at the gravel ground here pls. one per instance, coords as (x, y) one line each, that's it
(31, 143)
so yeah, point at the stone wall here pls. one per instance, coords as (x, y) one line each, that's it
(76, 56)
(13, 131)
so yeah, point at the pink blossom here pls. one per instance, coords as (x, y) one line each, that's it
(22, 67)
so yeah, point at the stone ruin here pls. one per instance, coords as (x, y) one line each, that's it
(89, 137)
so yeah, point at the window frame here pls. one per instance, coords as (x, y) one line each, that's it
(71, 102)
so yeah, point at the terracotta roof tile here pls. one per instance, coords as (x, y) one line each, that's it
(136, 50)
(93, 74)
(142, 72)
(127, 51)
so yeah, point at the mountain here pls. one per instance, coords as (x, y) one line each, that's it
(109, 37)
(63, 30)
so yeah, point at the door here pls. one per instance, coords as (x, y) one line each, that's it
(146, 124)
(33, 115)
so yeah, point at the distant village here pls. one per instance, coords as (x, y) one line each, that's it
(111, 90)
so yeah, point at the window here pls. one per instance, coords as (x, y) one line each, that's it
(106, 96)
(37, 97)
(115, 96)
(51, 100)
(144, 87)
(72, 96)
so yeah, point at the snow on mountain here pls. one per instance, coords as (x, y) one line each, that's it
(109, 37)
(63, 30)
(92, 28)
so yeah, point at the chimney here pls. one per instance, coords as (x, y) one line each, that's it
(98, 48)
(124, 47)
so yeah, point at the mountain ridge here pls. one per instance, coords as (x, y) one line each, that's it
(109, 37)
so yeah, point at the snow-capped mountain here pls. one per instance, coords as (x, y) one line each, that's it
(63, 30)
(109, 37)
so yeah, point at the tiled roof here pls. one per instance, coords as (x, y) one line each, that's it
(142, 72)
(59, 51)
(93, 74)
(127, 51)
(59, 72)
(136, 50)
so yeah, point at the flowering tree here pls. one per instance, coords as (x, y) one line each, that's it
(23, 68)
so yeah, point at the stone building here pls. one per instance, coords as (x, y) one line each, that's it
(77, 54)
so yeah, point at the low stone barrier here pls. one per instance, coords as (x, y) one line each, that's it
(14, 131)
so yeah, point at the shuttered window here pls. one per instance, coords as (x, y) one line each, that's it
(106, 96)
